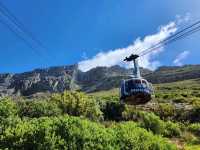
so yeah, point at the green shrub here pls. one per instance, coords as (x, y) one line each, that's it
(73, 133)
(147, 120)
(165, 110)
(130, 136)
(113, 111)
(7, 108)
(151, 122)
(194, 128)
(55, 133)
(172, 130)
(78, 104)
(130, 113)
(38, 108)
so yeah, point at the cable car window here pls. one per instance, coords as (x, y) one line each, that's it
(137, 81)
(144, 84)
(143, 81)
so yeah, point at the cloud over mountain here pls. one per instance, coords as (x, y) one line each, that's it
(115, 57)
(179, 59)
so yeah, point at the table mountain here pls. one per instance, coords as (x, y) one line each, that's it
(58, 79)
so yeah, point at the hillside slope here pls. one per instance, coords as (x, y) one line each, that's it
(171, 74)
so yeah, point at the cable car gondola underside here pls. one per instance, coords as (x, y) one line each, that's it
(136, 91)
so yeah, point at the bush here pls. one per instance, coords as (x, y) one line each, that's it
(172, 130)
(194, 128)
(165, 111)
(113, 111)
(56, 133)
(152, 122)
(130, 136)
(130, 113)
(78, 104)
(7, 108)
(38, 108)
(73, 133)
(45, 125)
(147, 120)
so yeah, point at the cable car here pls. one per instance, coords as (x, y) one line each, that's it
(136, 90)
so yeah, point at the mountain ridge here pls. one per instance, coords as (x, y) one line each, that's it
(58, 79)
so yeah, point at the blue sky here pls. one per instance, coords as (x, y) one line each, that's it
(74, 30)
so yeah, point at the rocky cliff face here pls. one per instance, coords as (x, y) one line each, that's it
(55, 79)
(58, 79)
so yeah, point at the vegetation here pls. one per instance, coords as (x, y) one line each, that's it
(74, 120)
(31, 125)
(173, 113)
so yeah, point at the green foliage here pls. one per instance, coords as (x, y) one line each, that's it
(130, 113)
(194, 128)
(172, 130)
(113, 111)
(56, 133)
(73, 133)
(130, 136)
(7, 108)
(38, 108)
(39, 123)
(151, 122)
(43, 125)
(192, 147)
(177, 105)
(78, 104)
(147, 120)
(165, 110)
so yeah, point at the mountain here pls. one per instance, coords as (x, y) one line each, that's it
(104, 78)
(167, 74)
(58, 79)
(54, 79)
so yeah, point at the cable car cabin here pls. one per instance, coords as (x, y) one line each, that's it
(135, 91)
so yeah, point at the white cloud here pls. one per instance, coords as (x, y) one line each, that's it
(183, 19)
(116, 56)
(179, 59)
